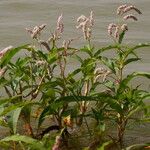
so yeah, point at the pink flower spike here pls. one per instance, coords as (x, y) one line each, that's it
(120, 9)
(130, 16)
(60, 25)
(86, 24)
(81, 18)
(42, 26)
(29, 30)
(36, 31)
(116, 33)
(129, 8)
(80, 25)
(2, 52)
(91, 18)
(110, 28)
(124, 27)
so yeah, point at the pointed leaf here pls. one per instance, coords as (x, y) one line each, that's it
(102, 147)
(105, 48)
(87, 50)
(121, 36)
(31, 143)
(109, 63)
(131, 50)
(12, 121)
(9, 54)
(131, 60)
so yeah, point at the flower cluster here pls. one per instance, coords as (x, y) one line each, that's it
(123, 9)
(59, 28)
(86, 24)
(115, 30)
(36, 31)
(101, 72)
(2, 52)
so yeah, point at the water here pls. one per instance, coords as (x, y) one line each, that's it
(16, 15)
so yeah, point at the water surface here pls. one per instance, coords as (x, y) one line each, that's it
(16, 15)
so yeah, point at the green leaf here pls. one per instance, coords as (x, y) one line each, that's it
(22, 62)
(121, 36)
(17, 105)
(4, 146)
(75, 99)
(115, 105)
(49, 110)
(52, 57)
(9, 54)
(109, 63)
(126, 80)
(138, 147)
(131, 60)
(88, 66)
(102, 147)
(147, 120)
(32, 143)
(138, 108)
(79, 58)
(26, 112)
(18, 138)
(12, 121)
(72, 74)
(87, 50)
(110, 100)
(42, 55)
(98, 114)
(3, 82)
(131, 50)
(109, 84)
(8, 100)
(105, 48)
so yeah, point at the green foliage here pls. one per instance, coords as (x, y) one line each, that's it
(9, 54)
(12, 121)
(31, 143)
(138, 146)
(102, 147)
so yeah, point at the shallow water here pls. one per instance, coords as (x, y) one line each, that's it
(16, 15)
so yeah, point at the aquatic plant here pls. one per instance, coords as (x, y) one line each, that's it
(43, 96)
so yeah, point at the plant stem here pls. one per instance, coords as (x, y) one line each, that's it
(88, 127)
(121, 129)
(14, 145)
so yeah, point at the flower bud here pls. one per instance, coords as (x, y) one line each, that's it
(130, 16)
(124, 27)
(120, 9)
